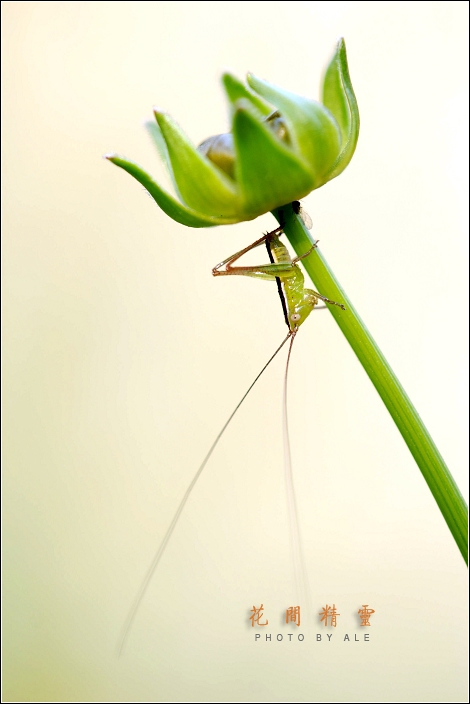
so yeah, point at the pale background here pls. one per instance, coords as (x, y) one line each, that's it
(123, 357)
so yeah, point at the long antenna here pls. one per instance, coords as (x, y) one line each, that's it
(158, 555)
(300, 573)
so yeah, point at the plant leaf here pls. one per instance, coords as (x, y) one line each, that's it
(157, 138)
(203, 186)
(339, 98)
(311, 127)
(236, 90)
(269, 173)
(167, 203)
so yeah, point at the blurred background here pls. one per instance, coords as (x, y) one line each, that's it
(123, 357)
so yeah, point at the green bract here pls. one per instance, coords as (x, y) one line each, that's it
(281, 147)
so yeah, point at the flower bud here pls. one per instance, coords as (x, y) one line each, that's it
(281, 147)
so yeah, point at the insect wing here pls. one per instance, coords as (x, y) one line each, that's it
(302, 213)
(306, 219)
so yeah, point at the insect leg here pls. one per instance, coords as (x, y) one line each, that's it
(327, 300)
(303, 256)
(233, 258)
(262, 271)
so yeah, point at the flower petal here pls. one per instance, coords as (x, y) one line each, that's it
(167, 203)
(268, 172)
(203, 186)
(339, 98)
(311, 127)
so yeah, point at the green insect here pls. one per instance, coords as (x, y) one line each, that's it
(297, 304)
(297, 301)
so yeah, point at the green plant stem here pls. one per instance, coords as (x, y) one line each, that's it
(407, 420)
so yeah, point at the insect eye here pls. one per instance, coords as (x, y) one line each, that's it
(295, 317)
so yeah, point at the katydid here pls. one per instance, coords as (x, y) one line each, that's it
(297, 303)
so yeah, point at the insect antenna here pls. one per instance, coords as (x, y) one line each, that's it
(300, 573)
(158, 555)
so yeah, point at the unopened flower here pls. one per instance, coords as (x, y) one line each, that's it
(281, 147)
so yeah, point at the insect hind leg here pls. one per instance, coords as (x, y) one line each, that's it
(227, 263)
